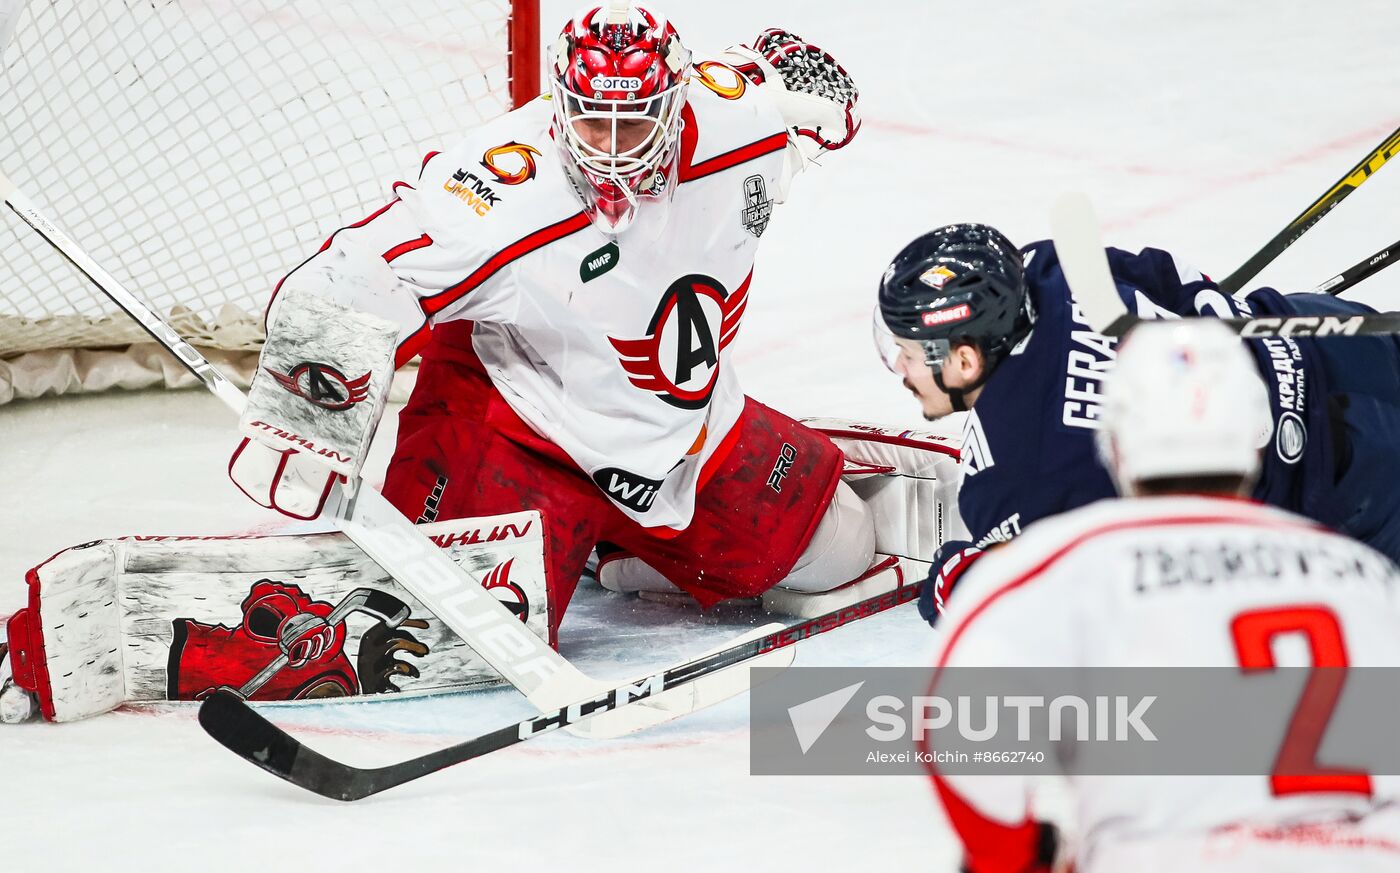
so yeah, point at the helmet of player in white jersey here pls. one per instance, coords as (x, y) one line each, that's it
(617, 79)
(1185, 399)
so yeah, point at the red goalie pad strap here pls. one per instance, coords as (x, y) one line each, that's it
(27, 660)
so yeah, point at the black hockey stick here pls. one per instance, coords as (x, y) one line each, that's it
(1357, 272)
(1313, 214)
(243, 731)
(1076, 234)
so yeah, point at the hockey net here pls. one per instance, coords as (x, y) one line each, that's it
(200, 149)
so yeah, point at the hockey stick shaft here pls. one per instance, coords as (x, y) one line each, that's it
(1313, 214)
(372, 523)
(1358, 272)
(243, 731)
(1081, 253)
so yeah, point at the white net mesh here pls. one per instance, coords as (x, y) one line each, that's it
(200, 149)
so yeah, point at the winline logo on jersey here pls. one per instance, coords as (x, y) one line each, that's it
(1323, 728)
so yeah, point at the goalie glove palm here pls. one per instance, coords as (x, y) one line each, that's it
(814, 93)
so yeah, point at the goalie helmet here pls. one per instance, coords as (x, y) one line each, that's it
(1185, 399)
(618, 84)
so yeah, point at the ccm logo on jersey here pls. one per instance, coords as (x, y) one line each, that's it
(471, 190)
(323, 385)
(678, 359)
(500, 159)
(782, 467)
(637, 493)
(960, 312)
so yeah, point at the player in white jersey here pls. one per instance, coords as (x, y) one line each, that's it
(1096, 587)
(573, 273)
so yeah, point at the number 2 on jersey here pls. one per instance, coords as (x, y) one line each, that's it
(1296, 769)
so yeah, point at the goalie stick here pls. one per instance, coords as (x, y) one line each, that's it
(447, 590)
(1075, 231)
(243, 731)
(1354, 179)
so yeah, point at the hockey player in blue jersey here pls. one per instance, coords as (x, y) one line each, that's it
(971, 323)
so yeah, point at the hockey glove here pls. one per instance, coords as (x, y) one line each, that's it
(814, 93)
(953, 560)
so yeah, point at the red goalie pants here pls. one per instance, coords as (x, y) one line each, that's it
(458, 435)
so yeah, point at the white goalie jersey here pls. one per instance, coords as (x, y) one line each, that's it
(611, 348)
(1187, 582)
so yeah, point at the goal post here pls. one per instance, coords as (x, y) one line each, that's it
(200, 149)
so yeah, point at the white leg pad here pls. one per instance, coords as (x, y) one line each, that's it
(629, 574)
(888, 573)
(166, 618)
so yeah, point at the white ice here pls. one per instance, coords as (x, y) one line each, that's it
(1197, 126)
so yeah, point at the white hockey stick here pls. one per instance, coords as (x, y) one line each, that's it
(1075, 230)
(447, 590)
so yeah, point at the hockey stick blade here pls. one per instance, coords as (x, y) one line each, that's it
(241, 730)
(1075, 230)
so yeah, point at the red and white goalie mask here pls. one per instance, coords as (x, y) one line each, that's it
(618, 84)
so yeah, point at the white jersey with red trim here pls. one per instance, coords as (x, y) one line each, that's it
(1170, 582)
(613, 349)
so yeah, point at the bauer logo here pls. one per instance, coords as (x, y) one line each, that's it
(961, 312)
(598, 262)
(637, 493)
(616, 83)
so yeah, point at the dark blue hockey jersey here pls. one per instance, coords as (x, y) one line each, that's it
(1028, 444)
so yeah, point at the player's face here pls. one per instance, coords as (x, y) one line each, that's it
(598, 133)
(918, 378)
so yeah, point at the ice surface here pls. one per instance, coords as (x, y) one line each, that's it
(1196, 126)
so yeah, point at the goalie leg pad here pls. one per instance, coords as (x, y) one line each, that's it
(887, 573)
(174, 618)
(841, 548)
(909, 479)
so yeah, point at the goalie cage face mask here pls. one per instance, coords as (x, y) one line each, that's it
(618, 90)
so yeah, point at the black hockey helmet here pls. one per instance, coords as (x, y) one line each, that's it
(959, 282)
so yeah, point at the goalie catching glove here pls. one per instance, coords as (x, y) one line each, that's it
(814, 93)
(316, 399)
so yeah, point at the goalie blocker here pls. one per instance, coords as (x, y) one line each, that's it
(275, 618)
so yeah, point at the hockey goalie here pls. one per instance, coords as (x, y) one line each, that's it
(572, 274)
